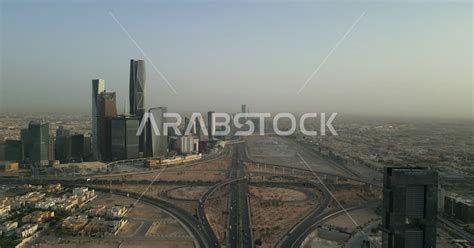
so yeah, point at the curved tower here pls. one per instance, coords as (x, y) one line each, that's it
(137, 94)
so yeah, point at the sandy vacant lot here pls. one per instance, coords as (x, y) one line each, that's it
(282, 194)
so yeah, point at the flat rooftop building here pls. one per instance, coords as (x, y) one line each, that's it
(409, 207)
(125, 142)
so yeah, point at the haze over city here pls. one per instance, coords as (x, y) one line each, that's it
(236, 124)
(398, 58)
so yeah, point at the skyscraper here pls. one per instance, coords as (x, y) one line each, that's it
(98, 86)
(14, 150)
(62, 145)
(80, 147)
(137, 94)
(211, 125)
(409, 207)
(2, 150)
(244, 108)
(107, 108)
(27, 143)
(51, 142)
(159, 141)
(186, 124)
(124, 138)
(39, 134)
(198, 129)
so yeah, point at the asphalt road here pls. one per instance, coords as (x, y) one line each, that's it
(240, 230)
(201, 213)
(456, 229)
(191, 224)
(297, 235)
(299, 231)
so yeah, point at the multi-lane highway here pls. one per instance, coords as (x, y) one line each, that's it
(456, 229)
(239, 229)
(201, 213)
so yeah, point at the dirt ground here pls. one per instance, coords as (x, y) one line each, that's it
(270, 223)
(282, 194)
(141, 230)
(216, 209)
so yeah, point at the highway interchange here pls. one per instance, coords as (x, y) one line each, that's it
(239, 224)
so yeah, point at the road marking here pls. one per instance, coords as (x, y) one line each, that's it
(333, 197)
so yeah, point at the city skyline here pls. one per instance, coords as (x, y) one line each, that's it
(195, 46)
(239, 124)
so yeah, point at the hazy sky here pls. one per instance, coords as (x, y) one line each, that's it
(400, 58)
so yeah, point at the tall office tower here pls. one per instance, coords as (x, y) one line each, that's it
(211, 125)
(159, 141)
(409, 207)
(148, 140)
(193, 126)
(244, 108)
(98, 86)
(124, 138)
(51, 148)
(87, 152)
(27, 143)
(77, 145)
(137, 94)
(39, 134)
(2, 150)
(62, 146)
(198, 129)
(14, 150)
(107, 108)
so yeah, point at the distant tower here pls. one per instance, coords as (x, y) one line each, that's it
(63, 145)
(3, 146)
(186, 124)
(124, 143)
(198, 129)
(40, 142)
(409, 207)
(107, 110)
(159, 142)
(211, 125)
(98, 86)
(13, 150)
(137, 94)
(244, 108)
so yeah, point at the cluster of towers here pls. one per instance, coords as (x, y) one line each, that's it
(113, 135)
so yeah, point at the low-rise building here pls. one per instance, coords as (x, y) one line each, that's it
(8, 226)
(52, 188)
(9, 166)
(65, 206)
(83, 194)
(96, 211)
(79, 191)
(47, 203)
(5, 209)
(74, 224)
(26, 230)
(99, 226)
(115, 212)
(459, 208)
(37, 217)
(187, 144)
